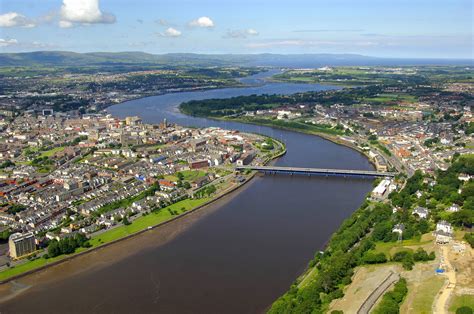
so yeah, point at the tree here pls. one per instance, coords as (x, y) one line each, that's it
(391, 300)
(405, 257)
(53, 248)
(67, 245)
(210, 189)
(374, 258)
(464, 310)
(372, 137)
(422, 255)
(5, 234)
(463, 217)
(125, 221)
(469, 237)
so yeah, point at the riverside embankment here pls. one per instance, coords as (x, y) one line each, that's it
(237, 255)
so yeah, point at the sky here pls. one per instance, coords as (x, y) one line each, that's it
(383, 28)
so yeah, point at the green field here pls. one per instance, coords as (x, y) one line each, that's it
(189, 175)
(421, 300)
(391, 98)
(30, 265)
(461, 300)
(389, 248)
(295, 125)
(144, 222)
(53, 151)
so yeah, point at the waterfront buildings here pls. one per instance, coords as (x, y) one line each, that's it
(21, 244)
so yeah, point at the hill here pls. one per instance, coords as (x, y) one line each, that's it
(66, 58)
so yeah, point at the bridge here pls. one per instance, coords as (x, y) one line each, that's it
(317, 171)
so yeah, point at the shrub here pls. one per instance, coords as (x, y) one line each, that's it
(469, 237)
(406, 258)
(391, 300)
(374, 258)
(421, 255)
(464, 310)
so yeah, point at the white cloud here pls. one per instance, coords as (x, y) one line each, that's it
(203, 21)
(14, 19)
(8, 42)
(239, 33)
(252, 32)
(15, 45)
(170, 32)
(65, 24)
(83, 12)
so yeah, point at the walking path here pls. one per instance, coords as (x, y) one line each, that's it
(440, 304)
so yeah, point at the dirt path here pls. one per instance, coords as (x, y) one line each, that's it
(440, 304)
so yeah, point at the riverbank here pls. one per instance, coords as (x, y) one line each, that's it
(331, 138)
(139, 225)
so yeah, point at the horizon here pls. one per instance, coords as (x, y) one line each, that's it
(240, 54)
(407, 29)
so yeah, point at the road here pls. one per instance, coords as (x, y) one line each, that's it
(440, 304)
(377, 293)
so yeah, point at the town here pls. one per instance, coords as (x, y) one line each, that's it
(419, 128)
(399, 123)
(77, 180)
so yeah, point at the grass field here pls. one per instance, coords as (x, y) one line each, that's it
(389, 248)
(30, 265)
(144, 222)
(391, 98)
(189, 175)
(461, 300)
(53, 151)
(420, 298)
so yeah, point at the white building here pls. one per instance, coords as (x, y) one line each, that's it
(464, 177)
(444, 226)
(398, 228)
(381, 189)
(453, 208)
(421, 212)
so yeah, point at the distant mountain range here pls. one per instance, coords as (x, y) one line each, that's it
(66, 58)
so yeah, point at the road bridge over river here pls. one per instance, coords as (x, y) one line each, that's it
(317, 171)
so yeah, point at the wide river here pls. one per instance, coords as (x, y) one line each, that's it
(235, 256)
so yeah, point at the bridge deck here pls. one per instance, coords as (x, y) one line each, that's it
(319, 171)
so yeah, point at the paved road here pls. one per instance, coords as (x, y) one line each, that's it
(377, 293)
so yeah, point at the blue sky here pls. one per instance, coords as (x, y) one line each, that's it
(405, 28)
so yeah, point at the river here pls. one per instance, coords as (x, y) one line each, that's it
(235, 256)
